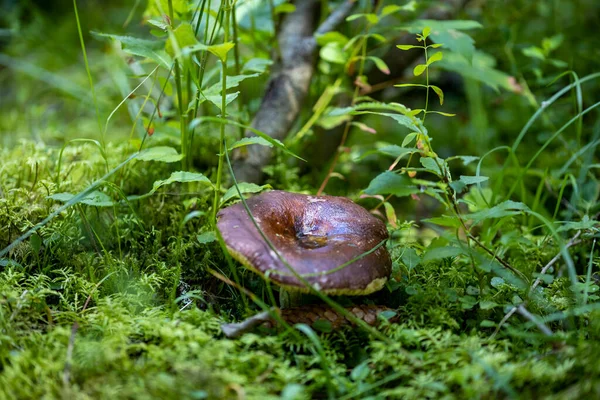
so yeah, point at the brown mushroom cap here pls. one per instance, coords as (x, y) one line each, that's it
(314, 234)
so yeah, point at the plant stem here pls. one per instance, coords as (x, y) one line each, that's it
(222, 149)
(182, 126)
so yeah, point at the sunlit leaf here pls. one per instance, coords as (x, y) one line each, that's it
(391, 183)
(439, 92)
(159, 153)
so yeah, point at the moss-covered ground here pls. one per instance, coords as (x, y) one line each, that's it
(91, 306)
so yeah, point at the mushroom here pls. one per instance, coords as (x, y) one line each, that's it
(315, 235)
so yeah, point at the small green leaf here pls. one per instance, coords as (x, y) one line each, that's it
(36, 243)
(390, 214)
(322, 325)
(419, 69)
(380, 64)
(445, 114)
(206, 237)
(410, 258)
(409, 138)
(334, 53)
(332, 37)
(360, 372)
(426, 32)
(372, 18)
(408, 46)
(534, 52)
(221, 50)
(445, 220)
(435, 57)
(439, 92)
(432, 165)
(410, 85)
(439, 253)
(95, 198)
(435, 45)
(159, 153)
(244, 188)
(183, 35)
(284, 8)
(181, 177)
(251, 140)
(471, 180)
(391, 183)
(505, 209)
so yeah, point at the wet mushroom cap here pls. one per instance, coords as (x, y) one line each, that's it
(315, 235)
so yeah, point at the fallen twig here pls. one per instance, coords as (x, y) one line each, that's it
(573, 241)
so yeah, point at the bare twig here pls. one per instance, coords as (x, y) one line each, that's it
(234, 330)
(541, 326)
(572, 242)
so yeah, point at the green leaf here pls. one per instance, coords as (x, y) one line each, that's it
(481, 68)
(585, 224)
(439, 253)
(391, 183)
(197, 121)
(408, 46)
(244, 187)
(95, 198)
(251, 140)
(390, 214)
(221, 50)
(216, 99)
(380, 64)
(409, 138)
(504, 209)
(445, 114)
(410, 85)
(392, 150)
(333, 53)
(435, 57)
(159, 153)
(206, 237)
(426, 32)
(181, 177)
(331, 37)
(431, 165)
(439, 92)
(448, 33)
(534, 52)
(183, 36)
(410, 258)
(372, 18)
(401, 119)
(445, 220)
(284, 8)
(487, 304)
(151, 49)
(471, 180)
(419, 69)
(389, 9)
(258, 65)
(36, 242)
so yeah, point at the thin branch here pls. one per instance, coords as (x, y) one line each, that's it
(572, 242)
(541, 326)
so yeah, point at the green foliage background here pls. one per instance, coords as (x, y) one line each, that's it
(114, 297)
